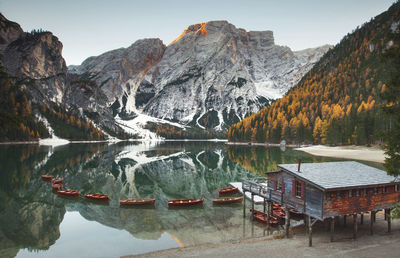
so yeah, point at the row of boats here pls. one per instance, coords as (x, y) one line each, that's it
(57, 185)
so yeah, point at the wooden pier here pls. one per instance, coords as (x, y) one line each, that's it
(326, 191)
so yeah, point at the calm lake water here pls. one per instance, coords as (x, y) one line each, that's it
(36, 222)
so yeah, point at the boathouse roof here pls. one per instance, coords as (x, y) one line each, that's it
(336, 175)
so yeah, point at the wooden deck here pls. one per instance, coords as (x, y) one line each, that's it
(257, 199)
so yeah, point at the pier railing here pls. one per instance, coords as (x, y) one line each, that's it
(262, 190)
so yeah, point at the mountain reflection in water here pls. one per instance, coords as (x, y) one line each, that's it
(31, 214)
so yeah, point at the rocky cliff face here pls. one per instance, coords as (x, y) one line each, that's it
(212, 75)
(35, 58)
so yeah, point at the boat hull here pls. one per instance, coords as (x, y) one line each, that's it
(228, 190)
(185, 202)
(68, 192)
(97, 197)
(227, 200)
(137, 201)
(262, 217)
(46, 177)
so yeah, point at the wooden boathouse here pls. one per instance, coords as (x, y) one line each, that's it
(325, 191)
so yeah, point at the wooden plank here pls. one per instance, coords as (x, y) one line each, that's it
(332, 220)
(389, 220)
(287, 221)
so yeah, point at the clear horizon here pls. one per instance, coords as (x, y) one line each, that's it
(90, 28)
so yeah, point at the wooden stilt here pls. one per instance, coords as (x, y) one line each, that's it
(287, 221)
(264, 203)
(371, 222)
(362, 218)
(244, 204)
(389, 220)
(355, 226)
(332, 227)
(374, 216)
(385, 210)
(252, 206)
(344, 220)
(306, 222)
(268, 208)
(309, 231)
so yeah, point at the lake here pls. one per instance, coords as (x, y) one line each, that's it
(36, 222)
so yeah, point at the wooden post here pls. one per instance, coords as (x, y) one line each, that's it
(371, 222)
(385, 210)
(309, 231)
(306, 223)
(332, 228)
(267, 213)
(252, 206)
(374, 216)
(389, 220)
(244, 204)
(287, 221)
(264, 205)
(344, 220)
(362, 218)
(355, 225)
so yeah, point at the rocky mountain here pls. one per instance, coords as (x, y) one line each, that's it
(210, 76)
(339, 100)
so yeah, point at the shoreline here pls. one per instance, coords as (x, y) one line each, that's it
(381, 243)
(348, 152)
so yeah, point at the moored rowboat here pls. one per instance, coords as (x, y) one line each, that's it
(262, 217)
(56, 186)
(227, 200)
(137, 201)
(228, 190)
(97, 197)
(57, 180)
(68, 192)
(185, 202)
(46, 177)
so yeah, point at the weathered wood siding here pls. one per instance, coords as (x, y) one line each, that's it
(344, 204)
(314, 199)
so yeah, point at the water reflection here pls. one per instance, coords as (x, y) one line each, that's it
(32, 216)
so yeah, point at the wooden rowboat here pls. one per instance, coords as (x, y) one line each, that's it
(56, 186)
(46, 177)
(262, 217)
(137, 201)
(97, 197)
(228, 190)
(227, 200)
(279, 213)
(69, 192)
(57, 180)
(294, 212)
(185, 202)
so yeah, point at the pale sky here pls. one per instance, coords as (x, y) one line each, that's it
(91, 27)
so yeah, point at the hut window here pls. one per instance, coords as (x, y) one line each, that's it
(328, 196)
(365, 192)
(298, 188)
(358, 192)
(350, 193)
(396, 188)
(375, 190)
(384, 190)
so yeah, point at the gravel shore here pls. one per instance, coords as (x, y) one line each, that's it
(381, 244)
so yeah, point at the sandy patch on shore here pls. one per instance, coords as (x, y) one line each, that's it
(348, 152)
